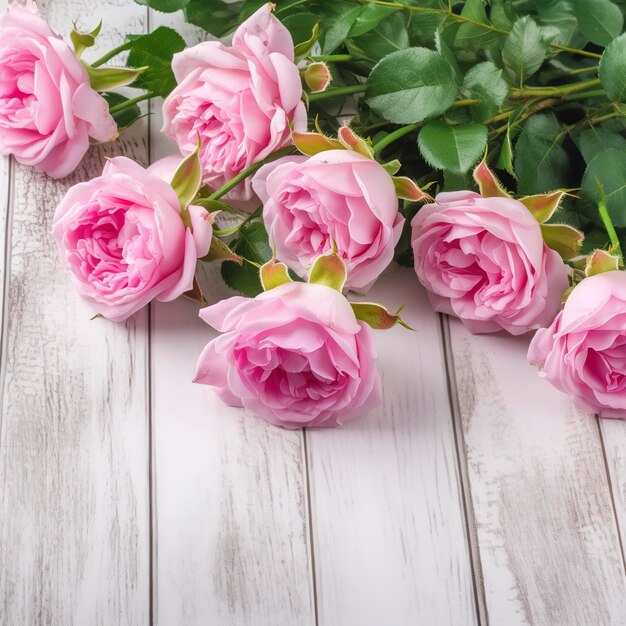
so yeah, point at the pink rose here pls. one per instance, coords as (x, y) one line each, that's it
(48, 109)
(242, 99)
(294, 355)
(335, 196)
(484, 260)
(583, 352)
(124, 240)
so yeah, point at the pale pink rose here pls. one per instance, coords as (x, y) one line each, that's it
(123, 238)
(339, 197)
(243, 100)
(583, 352)
(48, 110)
(294, 355)
(484, 261)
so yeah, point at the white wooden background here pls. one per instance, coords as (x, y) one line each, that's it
(475, 495)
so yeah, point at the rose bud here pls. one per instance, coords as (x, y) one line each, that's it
(317, 77)
(335, 198)
(125, 241)
(48, 110)
(583, 351)
(294, 355)
(243, 100)
(484, 261)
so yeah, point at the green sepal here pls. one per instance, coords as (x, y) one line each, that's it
(377, 316)
(564, 239)
(600, 261)
(82, 41)
(487, 182)
(219, 251)
(544, 205)
(350, 140)
(303, 49)
(313, 143)
(330, 270)
(392, 167)
(195, 293)
(317, 76)
(187, 178)
(106, 78)
(274, 274)
(407, 189)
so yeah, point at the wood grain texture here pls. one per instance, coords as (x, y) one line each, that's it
(547, 538)
(613, 434)
(388, 522)
(5, 192)
(74, 505)
(231, 518)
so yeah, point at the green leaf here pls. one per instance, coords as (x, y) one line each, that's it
(444, 39)
(306, 41)
(165, 6)
(369, 18)
(609, 167)
(505, 158)
(484, 82)
(155, 51)
(340, 26)
(613, 69)
(541, 163)
(411, 85)
(594, 140)
(390, 35)
(453, 181)
(600, 21)
(424, 25)
(453, 148)
(559, 14)
(524, 50)
(304, 29)
(216, 17)
(127, 116)
(472, 36)
(252, 244)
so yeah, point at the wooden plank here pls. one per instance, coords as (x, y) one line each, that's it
(231, 526)
(547, 539)
(5, 192)
(388, 526)
(613, 434)
(74, 503)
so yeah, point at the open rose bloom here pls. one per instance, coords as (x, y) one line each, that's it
(242, 100)
(48, 110)
(294, 355)
(583, 352)
(123, 237)
(484, 261)
(336, 197)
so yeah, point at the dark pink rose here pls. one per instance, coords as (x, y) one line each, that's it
(48, 110)
(484, 261)
(124, 239)
(583, 351)
(243, 99)
(294, 355)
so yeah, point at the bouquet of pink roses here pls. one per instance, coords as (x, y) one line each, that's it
(319, 143)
